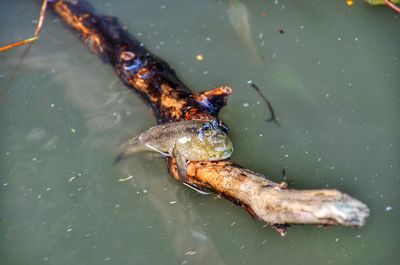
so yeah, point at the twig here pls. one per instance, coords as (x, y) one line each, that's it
(269, 105)
(393, 6)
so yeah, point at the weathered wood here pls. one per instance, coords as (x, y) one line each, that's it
(171, 100)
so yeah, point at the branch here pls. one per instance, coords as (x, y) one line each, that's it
(158, 85)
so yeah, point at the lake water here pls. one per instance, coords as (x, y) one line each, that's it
(330, 70)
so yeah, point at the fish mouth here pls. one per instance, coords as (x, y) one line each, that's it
(227, 153)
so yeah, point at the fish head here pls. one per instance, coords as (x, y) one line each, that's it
(214, 141)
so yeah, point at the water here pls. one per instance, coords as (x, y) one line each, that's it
(332, 76)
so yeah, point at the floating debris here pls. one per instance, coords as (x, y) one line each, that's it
(125, 179)
(199, 57)
(388, 208)
(269, 105)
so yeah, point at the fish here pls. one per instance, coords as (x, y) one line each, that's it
(192, 140)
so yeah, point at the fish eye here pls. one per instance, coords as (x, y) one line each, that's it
(218, 124)
(206, 126)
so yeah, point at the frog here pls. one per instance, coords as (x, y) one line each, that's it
(187, 140)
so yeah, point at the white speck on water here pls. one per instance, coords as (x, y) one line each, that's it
(319, 159)
(276, 2)
(71, 179)
(260, 36)
(208, 39)
(286, 155)
(190, 253)
(5, 184)
(145, 191)
(34, 159)
(388, 208)
(332, 167)
(172, 202)
(306, 152)
(232, 224)
(356, 39)
(48, 189)
(52, 105)
(260, 135)
(302, 27)
(339, 39)
(350, 84)
(327, 95)
(45, 259)
(116, 206)
(39, 196)
(205, 72)
(337, 239)
(249, 82)
(125, 179)
(163, 6)
(358, 236)
(245, 104)
(69, 229)
(73, 130)
(107, 259)
(242, 247)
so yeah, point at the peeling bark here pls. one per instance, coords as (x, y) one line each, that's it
(158, 85)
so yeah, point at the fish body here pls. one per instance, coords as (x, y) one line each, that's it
(185, 141)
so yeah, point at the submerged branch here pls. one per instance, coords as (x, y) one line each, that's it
(171, 100)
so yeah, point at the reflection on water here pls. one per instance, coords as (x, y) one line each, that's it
(239, 17)
(332, 77)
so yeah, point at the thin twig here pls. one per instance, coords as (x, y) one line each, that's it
(269, 105)
(35, 36)
(391, 5)
(29, 42)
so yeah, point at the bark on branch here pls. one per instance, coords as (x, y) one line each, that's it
(171, 100)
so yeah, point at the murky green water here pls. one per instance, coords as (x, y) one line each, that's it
(332, 76)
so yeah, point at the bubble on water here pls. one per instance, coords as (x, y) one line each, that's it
(388, 208)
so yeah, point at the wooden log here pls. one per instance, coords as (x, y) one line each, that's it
(158, 85)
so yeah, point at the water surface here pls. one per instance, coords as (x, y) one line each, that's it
(331, 72)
